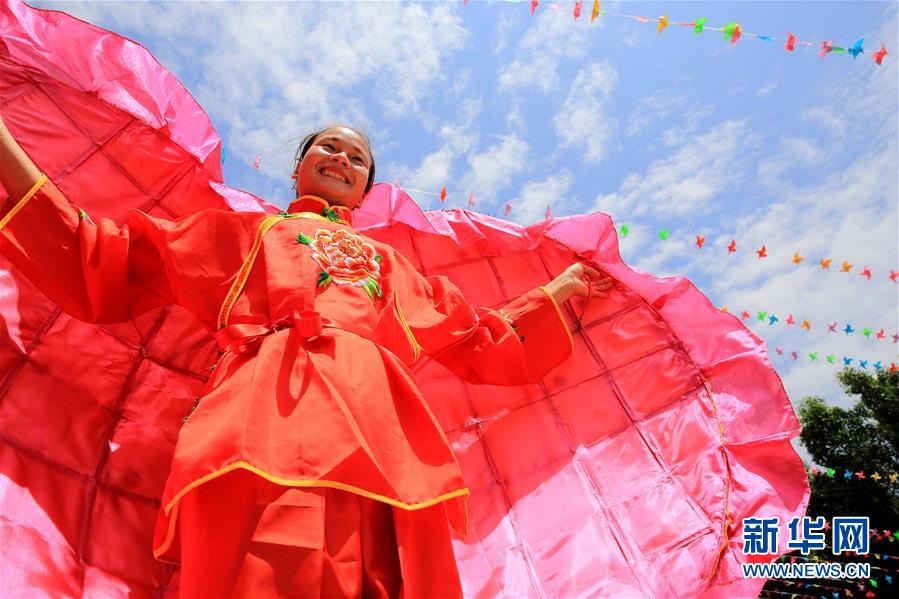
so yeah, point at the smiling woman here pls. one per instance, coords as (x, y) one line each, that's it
(309, 444)
(335, 163)
(346, 404)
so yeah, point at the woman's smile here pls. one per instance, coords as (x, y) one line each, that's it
(336, 167)
(331, 172)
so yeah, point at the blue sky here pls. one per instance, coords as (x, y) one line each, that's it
(676, 131)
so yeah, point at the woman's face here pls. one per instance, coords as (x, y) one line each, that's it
(335, 168)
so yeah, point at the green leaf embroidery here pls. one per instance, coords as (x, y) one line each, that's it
(372, 288)
(330, 213)
(378, 258)
(304, 239)
(284, 213)
(323, 279)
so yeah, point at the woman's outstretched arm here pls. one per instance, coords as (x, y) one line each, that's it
(517, 344)
(18, 173)
(98, 272)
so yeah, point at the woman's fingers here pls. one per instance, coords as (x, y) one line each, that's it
(590, 271)
(591, 280)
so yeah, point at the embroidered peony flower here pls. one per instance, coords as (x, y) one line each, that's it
(346, 259)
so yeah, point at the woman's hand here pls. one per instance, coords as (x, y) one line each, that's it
(579, 279)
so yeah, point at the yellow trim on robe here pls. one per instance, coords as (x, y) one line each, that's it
(169, 537)
(314, 483)
(21, 204)
(561, 317)
(244, 273)
(416, 348)
(174, 504)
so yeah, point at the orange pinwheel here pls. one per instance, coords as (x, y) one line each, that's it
(663, 22)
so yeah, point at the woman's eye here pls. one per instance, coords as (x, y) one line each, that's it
(329, 146)
(359, 160)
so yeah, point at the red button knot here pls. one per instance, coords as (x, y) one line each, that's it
(308, 323)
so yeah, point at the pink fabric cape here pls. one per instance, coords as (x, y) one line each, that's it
(626, 472)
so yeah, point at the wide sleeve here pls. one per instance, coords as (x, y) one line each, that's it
(97, 272)
(514, 345)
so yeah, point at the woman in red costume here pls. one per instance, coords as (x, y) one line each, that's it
(311, 465)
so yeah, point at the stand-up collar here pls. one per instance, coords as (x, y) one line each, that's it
(317, 205)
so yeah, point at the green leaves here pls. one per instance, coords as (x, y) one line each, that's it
(373, 289)
(302, 238)
(323, 279)
(331, 214)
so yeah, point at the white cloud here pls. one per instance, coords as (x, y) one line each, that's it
(642, 248)
(766, 89)
(535, 196)
(843, 207)
(847, 214)
(436, 168)
(687, 123)
(295, 66)
(827, 118)
(553, 38)
(514, 119)
(652, 108)
(793, 152)
(582, 120)
(493, 169)
(688, 181)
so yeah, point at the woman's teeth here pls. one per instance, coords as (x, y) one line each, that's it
(334, 175)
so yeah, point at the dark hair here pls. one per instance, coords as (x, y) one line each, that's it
(310, 139)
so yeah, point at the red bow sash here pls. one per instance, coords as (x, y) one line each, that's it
(246, 338)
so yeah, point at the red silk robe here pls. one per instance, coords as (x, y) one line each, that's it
(318, 329)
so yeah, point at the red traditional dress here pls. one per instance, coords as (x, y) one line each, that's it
(319, 328)
(627, 471)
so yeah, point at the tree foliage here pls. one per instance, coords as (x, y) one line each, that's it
(863, 438)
